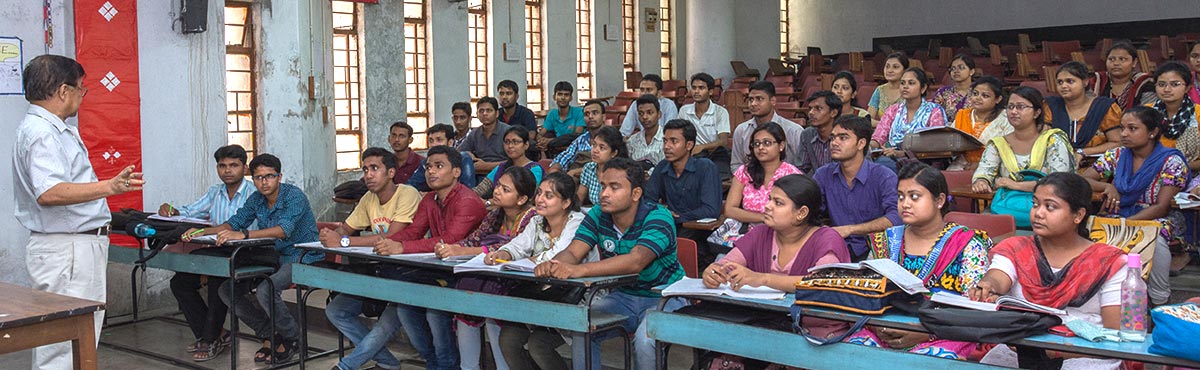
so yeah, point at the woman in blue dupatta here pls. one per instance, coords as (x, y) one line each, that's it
(1145, 177)
(946, 256)
(1089, 121)
(910, 114)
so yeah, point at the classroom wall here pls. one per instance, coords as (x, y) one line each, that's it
(849, 25)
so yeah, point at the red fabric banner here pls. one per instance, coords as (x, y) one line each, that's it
(106, 45)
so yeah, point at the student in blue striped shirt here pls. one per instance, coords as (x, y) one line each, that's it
(218, 204)
(633, 236)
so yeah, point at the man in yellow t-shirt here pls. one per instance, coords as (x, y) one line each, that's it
(384, 210)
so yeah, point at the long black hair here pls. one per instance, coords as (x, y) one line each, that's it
(754, 168)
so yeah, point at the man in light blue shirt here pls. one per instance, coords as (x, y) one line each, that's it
(651, 84)
(221, 201)
(218, 204)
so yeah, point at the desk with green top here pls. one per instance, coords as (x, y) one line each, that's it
(578, 320)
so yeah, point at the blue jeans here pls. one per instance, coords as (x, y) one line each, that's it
(635, 307)
(431, 333)
(343, 312)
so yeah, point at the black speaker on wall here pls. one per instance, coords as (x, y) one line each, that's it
(194, 15)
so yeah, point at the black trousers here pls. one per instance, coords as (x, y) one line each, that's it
(206, 313)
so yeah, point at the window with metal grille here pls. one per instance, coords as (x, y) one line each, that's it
(416, 70)
(583, 49)
(240, 76)
(477, 49)
(783, 28)
(664, 35)
(535, 97)
(347, 106)
(629, 36)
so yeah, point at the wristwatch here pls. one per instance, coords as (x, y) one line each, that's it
(1080, 152)
(246, 232)
(345, 242)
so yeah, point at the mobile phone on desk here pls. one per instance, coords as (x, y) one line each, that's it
(706, 220)
(1062, 331)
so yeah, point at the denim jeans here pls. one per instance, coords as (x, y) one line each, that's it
(635, 307)
(344, 313)
(431, 333)
(258, 319)
(470, 341)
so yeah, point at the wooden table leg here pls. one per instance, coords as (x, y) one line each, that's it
(83, 346)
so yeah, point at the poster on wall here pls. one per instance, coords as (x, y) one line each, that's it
(11, 59)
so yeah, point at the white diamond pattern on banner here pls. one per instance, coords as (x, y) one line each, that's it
(110, 81)
(108, 11)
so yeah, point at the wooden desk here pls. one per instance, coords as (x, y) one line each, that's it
(30, 318)
(763, 344)
(710, 226)
(577, 319)
(983, 199)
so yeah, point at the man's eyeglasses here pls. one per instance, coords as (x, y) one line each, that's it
(265, 177)
(82, 90)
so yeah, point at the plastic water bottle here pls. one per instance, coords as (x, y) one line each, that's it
(1134, 302)
(144, 231)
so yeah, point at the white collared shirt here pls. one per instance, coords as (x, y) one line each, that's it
(714, 122)
(47, 152)
(742, 136)
(640, 150)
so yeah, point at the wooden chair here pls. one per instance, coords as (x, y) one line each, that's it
(685, 250)
(1024, 69)
(976, 47)
(995, 225)
(957, 179)
(935, 46)
(633, 80)
(856, 62)
(1143, 61)
(886, 49)
(945, 55)
(1024, 44)
(996, 56)
(1040, 85)
(740, 69)
(775, 67)
(1059, 51)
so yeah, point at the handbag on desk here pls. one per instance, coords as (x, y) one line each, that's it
(1175, 330)
(970, 325)
(860, 291)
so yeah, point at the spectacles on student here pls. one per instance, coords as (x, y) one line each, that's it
(960, 67)
(762, 143)
(1018, 107)
(514, 142)
(1170, 83)
(265, 177)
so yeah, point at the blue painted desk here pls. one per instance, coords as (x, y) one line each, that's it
(793, 350)
(577, 319)
(178, 258)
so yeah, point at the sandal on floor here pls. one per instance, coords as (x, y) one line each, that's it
(208, 353)
(195, 346)
(263, 354)
(290, 348)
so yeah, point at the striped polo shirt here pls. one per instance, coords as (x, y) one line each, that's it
(653, 228)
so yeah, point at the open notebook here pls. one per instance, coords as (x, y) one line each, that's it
(1003, 303)
(476, 264)
(886, 267)
(691, 287)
